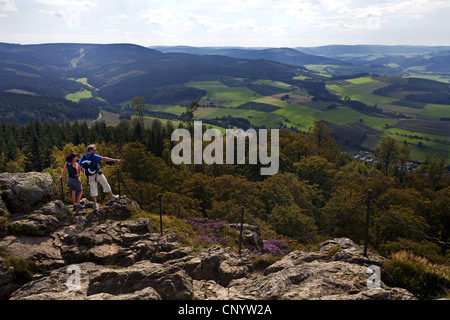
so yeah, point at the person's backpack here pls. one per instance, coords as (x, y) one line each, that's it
(89, 168)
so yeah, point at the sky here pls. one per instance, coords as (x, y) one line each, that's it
(244, 23)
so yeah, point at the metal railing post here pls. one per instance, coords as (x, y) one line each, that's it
(160, 213)
(366, 241)
(118, 182)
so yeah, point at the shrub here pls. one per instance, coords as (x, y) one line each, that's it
(426, 249)
(263, 261)
(23, 269)
(275, 247)
(209, 231)
(422, 278)
(332, 251)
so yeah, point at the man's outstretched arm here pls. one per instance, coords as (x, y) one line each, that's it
(110, 159)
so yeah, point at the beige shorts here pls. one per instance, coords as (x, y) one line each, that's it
(94, 180)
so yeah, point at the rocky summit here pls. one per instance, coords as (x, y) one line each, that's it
(105, 256)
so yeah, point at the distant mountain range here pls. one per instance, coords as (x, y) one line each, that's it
(122, 71)
(115, 73)
(281, 55)
(434, 59)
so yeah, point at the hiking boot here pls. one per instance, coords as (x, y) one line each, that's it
(114, 198)
(96, 207)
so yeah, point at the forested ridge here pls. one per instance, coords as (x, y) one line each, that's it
(316, 184)
(24, 108)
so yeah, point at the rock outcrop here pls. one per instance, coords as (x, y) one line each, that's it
(118, 259)
(219, 274)
(21, 191)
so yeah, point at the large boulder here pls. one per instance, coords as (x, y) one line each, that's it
(120, 243)
(251, 236)
(21, 191)
(338, 271)
(144, 281)
(6, 282)
(50, 217)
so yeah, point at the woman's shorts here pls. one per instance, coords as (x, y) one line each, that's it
(75, 185)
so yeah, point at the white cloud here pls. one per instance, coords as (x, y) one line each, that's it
(160, 16)
(58, 14)
(8, 6)
(69, 5)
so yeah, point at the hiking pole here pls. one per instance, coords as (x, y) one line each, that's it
(160, 213)
(118, 181)
(62, 190)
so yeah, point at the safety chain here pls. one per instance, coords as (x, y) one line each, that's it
(423, 234)
(350, 212)
(261, 227)
(136, 198)
(175, 210)
(333, 225)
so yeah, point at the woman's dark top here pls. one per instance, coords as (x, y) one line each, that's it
(72, 171)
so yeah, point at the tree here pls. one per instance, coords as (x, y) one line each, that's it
(291, 221)
(388, 153)
(190, 110)
(326, 146)
(139, 107)
(404, 154)
(316, 170)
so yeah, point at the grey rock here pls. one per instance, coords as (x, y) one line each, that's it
(170, 282)
(144, 294)
(21, 191)
(251, 236)
(43, 221)
(57, 285)
(42, 250)
(7, 286)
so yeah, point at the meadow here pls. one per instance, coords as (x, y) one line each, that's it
(235, 98)
(360, 89)
(435, 111)
(232, 97)
(77, 96)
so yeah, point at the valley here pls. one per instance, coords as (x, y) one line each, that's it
(363, 95)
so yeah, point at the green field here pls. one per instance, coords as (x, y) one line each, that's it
(257, 118)
(175, 109)
(216, 90)
(419, 153)
(435, 111)
(301, 113)
(277, 84)
(400, 132)
(306, 116)
(76, 97)
(360, 89)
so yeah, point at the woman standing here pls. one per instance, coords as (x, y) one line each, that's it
(74, 181)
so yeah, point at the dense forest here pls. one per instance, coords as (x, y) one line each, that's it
(316, 184)
(24, 108)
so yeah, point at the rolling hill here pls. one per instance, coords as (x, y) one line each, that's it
(252, 89)
(121, 71)
(282, 55)
(410, 59)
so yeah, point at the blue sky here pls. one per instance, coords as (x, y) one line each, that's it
(250, 23)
